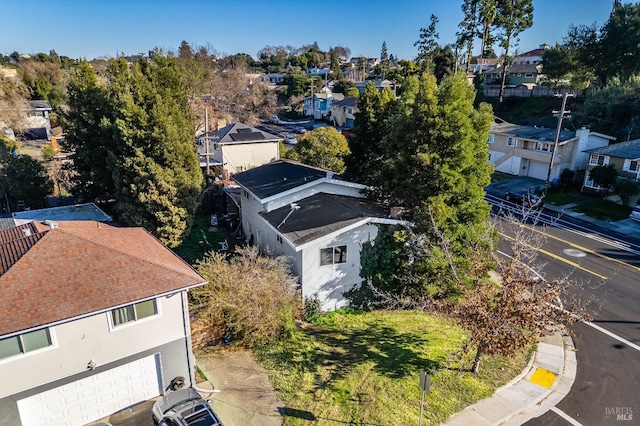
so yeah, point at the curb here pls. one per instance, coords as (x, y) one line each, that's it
(522, 399)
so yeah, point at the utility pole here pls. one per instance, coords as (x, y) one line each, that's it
(560, 114)
(313, 106)
(206, 138)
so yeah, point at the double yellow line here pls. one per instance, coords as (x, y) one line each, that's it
(562, 259)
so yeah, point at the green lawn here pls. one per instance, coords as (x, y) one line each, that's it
(363, 368)
(562, 198)
(604, 210)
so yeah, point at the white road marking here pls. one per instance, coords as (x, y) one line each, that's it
(566, 416)
(615, 336)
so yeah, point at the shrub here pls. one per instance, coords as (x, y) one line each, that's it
(251, 297)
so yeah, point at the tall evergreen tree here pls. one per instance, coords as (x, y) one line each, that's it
(370, 127)
(144, 154)
(427, 43)
(435, 167)
(488, 10)
(513, 17)
(468, 29)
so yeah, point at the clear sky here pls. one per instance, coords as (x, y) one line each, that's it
(106, 28)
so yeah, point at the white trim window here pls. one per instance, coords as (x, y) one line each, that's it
(512, 142)
(25, 342)
(528, 75)
(544, 147)
(598, 160)
(333, 255)
(631, 165)
(491, 138)
(134, 312)
(589, 183)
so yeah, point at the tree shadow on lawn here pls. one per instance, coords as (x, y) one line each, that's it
(395, 355)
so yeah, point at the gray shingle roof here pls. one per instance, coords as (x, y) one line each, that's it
(278, 176)
(87, 211)
(628, 149)
(322, 214)
(542, 134)
(348, 102)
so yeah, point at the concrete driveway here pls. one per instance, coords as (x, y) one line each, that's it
(246, 396)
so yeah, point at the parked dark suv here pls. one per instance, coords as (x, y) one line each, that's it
(184, 407)
(525, 198)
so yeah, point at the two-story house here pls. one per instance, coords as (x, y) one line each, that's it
(237, 147)
(95, 319)
(343, 113)
(316, 219)
(625, 157)
(319, 105)
(527, 150)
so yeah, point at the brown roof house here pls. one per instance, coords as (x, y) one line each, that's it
(95, 319)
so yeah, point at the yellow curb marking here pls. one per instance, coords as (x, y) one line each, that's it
(543, 377)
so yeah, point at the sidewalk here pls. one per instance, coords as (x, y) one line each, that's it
(543, 383)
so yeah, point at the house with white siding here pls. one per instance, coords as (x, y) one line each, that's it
(316, 219)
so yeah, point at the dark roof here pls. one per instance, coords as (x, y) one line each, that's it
(40, 105)
(322, 214)
(348, 102)
(80, 268)
(542, 134)
(87, 211)
(233, 134)
(278, 176)
(628, 149)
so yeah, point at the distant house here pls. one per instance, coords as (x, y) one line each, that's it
(76, 212)
(524, 75)
(343, 112)
(625, 156)
(319, 106)
(273, 78)
(317, 71)
(379, 83)
(532, 57)
(526, 150)
(237, 147)
(316, 219)
(38, 125)
(95, 320)
(486, 64)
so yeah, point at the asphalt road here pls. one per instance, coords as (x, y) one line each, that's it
(606, 273)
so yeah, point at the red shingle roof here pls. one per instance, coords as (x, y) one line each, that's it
(84, 267)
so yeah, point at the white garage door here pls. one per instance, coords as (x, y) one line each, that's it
(538, 170)
(95, 397)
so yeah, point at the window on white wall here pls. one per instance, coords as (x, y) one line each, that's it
(512, 141)
(333, 255)
(544, 147)
(134, 312)
(589, 183)
(631, 165)
(24, 343)
(491, 139)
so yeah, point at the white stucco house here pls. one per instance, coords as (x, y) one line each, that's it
(237, 147)
(316, 219)
(527, 150)
(95, 320)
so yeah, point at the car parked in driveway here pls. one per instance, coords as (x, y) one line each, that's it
(184, 407)
(635, 213)
(299, 129)
(525, 198)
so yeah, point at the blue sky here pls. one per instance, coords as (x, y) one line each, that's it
(98, 28)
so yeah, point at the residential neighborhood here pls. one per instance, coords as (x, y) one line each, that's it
(319, 234)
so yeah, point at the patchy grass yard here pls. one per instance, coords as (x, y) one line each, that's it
(204, 238)
(604, 210)
(364, 368)
(499, 176)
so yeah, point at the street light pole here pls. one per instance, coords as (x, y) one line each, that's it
(561, 114)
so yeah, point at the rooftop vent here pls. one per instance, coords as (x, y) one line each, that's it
(26, 232)
(51, 223)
